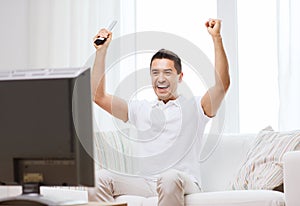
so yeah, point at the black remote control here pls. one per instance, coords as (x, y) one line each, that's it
(101, 40)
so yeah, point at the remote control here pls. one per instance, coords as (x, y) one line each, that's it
(101, 40)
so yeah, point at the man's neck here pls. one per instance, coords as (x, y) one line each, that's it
(167, 100)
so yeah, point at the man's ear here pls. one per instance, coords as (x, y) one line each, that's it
(180, 77)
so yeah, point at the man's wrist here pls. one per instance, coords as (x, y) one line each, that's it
(217, 38)
(101, 51)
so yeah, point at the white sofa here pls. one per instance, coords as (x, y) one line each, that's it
(221, 158)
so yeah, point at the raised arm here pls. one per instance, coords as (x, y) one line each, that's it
(112, 104)
(212, 99)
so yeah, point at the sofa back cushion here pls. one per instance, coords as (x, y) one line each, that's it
(221, 157)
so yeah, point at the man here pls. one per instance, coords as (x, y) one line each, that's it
(170, 120)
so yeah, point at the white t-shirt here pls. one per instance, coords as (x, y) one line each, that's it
(168, 135)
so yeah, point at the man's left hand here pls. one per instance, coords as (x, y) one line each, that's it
(213, 27)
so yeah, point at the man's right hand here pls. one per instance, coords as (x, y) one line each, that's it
(104, 33)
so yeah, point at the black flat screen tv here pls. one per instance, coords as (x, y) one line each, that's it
(46, 128)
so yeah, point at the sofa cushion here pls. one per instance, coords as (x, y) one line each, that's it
(226, 198)
(263, 167)
(236, 198)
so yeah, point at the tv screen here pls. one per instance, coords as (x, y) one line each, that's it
(46, 132)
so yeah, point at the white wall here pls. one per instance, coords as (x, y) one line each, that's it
(14, 34)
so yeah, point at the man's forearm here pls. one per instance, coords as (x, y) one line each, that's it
(221, 64)
(98, 73)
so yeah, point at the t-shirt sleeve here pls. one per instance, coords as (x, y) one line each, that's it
(203, 116)
(133, 107)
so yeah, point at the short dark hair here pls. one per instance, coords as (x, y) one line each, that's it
(167, 54)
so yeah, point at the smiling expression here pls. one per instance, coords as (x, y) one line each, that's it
(165, 79)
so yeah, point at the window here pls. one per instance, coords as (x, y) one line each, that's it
(258, 70)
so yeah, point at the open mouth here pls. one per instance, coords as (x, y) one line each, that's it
(163, 86)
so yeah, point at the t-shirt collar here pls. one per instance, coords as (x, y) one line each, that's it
(170, 102)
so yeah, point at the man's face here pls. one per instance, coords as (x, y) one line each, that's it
(165, 79)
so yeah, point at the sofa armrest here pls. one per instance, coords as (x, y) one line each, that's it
(291, 177)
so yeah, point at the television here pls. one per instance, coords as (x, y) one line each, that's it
(46, 127)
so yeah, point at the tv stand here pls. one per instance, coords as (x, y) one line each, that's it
(49, 196)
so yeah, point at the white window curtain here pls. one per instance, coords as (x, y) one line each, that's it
(61, 31)
(289, 64)
(227, 11)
